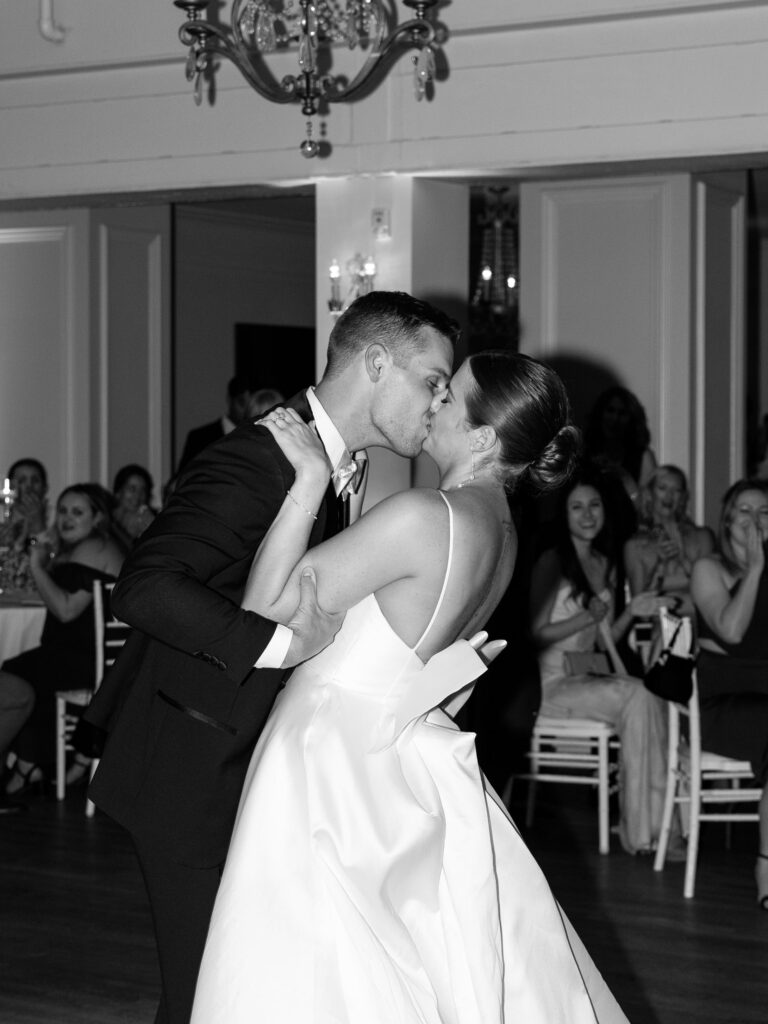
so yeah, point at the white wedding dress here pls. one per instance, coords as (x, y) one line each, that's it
(373, 876)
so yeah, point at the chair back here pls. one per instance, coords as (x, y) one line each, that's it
(697, 779)
(111, 633)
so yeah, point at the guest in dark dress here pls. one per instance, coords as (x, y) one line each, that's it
(617, 441)
(616, 437)
(730, 593)
(63, 571)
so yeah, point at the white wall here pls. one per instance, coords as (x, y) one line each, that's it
(532, 84)
(130, 294)
(427, 255)
(232, 267)
(45, 386)
(605, 285)
(640, 282)
(84, 323)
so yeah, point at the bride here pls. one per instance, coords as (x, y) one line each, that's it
(373, 875)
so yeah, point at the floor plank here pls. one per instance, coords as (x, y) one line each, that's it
(76, 944)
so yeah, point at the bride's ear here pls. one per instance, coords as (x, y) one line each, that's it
(483, 439)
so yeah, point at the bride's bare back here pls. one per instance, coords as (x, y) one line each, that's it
(399, 551)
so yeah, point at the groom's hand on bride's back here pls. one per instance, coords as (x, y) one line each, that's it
(313, 629)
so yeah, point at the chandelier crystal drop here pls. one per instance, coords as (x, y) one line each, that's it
(311, 29)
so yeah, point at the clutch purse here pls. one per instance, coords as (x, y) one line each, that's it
(587, 663)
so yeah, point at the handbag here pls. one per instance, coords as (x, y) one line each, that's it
(596, 663)
(587, 663)
(671, 675)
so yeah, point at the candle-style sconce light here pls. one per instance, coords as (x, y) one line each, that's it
(493, 310)
(7, 499)
(361, 274)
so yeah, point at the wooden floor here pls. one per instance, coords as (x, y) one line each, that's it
(76, 944)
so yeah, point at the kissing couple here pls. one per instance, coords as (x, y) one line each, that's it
(335, 854)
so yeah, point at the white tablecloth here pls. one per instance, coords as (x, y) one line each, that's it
(20, 628)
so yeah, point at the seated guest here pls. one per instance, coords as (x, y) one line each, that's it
(28, 518)
(730, 592)
(132, 512)
(661, 555)
(64, 571)
(572, 593)
(240, 392)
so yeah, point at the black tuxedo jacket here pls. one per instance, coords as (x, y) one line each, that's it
(183, 704)
(198, 439)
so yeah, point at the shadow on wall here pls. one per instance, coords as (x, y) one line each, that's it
(456, 307)
(585, 379)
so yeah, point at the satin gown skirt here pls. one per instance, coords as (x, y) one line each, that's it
(373, 878)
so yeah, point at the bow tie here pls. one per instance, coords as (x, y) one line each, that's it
(346, 478)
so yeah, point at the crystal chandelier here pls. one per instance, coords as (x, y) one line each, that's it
(310, 28)
(496, 286)
(493, 310)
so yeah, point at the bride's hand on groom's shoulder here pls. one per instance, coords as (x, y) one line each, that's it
(299, 443)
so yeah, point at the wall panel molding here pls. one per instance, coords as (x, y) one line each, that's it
(131, 292)
(604, 293)
(44, 382)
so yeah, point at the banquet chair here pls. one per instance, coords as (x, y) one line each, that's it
(575, 751)
(111, 634)
(697, 778)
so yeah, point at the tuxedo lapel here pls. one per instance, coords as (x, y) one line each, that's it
(342, 511)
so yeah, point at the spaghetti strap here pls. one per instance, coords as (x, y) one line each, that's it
(435, 613)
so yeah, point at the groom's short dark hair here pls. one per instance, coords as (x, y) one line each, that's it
(394, 319)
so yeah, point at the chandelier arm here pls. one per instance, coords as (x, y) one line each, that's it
(213, 41)
(422, 33)
(305, 22)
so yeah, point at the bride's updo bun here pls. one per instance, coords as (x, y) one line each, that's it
(556, 462)
(527, 405)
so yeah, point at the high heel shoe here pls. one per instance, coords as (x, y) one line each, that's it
(761, 877)
(25, 780)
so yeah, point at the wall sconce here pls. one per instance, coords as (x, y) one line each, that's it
(492, 294)
(361, 272)
(7, 498)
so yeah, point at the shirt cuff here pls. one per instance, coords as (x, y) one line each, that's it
(275, 652)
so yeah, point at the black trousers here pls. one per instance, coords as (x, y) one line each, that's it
(181, 899)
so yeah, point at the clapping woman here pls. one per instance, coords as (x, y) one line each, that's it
(661, 554)
(572, 599)
(132, 512)
(28, 518)
(730, 592)
(81, 551)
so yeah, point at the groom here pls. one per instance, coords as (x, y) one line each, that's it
(192, 706)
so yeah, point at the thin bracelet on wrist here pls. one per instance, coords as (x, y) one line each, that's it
(303, 508)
